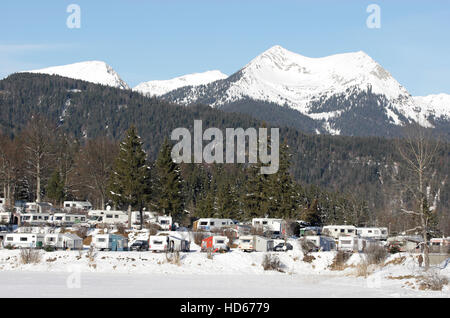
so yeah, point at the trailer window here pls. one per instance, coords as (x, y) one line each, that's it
(203, 223)
(9, 238)
(220, 241)
(157, 242)
(211, 223)
(23, 239)
(100, 240)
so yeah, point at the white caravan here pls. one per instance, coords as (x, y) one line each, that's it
(78, 205)
(67, 218)
(165, 222)
(268, 224)
(157, 243)
(250, 243)
(166, 242)
(110, 242)
(209, 224)
(355, 244)
(24, 240)
(336, 231)
(35, 218)
(377, 233)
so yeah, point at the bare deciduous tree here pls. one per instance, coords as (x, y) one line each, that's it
(92, 169)
(11, 159)
(39, 141)
(418, 150)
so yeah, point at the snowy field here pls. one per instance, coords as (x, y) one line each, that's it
(234, 274)
(39, 284)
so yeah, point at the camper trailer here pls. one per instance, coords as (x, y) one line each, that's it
(440, 245)
(270, 225)
(336, 231)
(157, 243)
(322, 243)
(110, 242)
(209, 224)
(355, 244)
(250, 243)
(60, 219)
(24, 240)
(377, 233)
(77, 205)
(35, 218)
(63, 241)
(215, 242)
(165, 222)
(174, 243)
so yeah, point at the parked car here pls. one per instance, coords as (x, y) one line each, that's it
(139, 245)
(282, 247)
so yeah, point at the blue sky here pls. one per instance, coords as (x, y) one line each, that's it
(147, 40)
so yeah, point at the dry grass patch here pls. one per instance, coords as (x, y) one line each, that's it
(339, 261)
(432, 281)
(396, 261)
(308, 258)
(272, 263)
(30, 256)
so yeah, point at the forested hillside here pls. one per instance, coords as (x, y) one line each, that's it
(332, 172)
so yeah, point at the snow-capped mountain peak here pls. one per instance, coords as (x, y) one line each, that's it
(284, 77)
(437, 105)
(97, 72)
(160, 87)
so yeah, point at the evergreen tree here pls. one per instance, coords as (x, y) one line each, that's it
(130, 179)
(169, 184)
(55, 188)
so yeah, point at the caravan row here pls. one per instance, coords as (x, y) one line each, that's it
(39, 240)
(336, 231)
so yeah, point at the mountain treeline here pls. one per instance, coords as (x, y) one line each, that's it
(346, 179)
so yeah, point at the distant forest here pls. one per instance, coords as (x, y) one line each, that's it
(331, 179)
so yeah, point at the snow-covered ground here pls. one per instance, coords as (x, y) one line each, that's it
(234, 274)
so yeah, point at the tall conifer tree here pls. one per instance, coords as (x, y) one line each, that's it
(130, 180)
